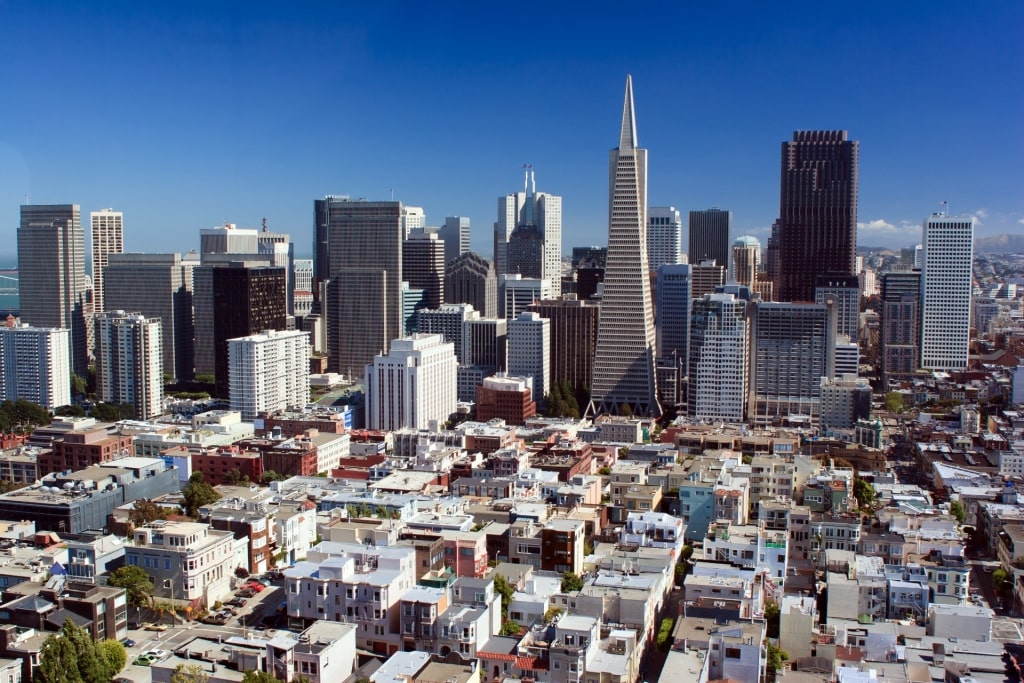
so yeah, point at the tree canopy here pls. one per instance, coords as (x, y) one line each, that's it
(22, 415)
(72, 656)
(111, 412)
(571, 582)
(145, 511)
(956, 508)
(136, 583)
(863, 492)
(190, 673)
(258, 677)
(198, 493)
(503, 588)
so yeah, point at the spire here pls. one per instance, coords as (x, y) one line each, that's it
(627, 137)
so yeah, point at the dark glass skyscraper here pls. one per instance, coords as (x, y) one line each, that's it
(709, 236)
(817, 211)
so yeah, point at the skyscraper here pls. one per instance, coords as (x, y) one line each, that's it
(129, 362)
(844, 290)
(412, 385)
(268, 371)
(817, 211)
(159, 286)
(423, 262)
(672, 311)
(664, 236)
(946, 262)
(51, 271)
(898, 343)
(718, 363)
(364, 307)
(746, 257)
(709, 236)
(455, 235)
(573, 336)
(529, 351)
(107, 238)
(527, 209)
(624, 369)
(470, 279)
(35, 364)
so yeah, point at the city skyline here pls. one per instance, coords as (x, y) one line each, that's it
(222, 125)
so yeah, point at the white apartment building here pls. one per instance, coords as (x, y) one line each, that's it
(268, 371)
(664, 236)
(35, 365)
(946, 268)
(302, 292)
(413, 385)
(529, 351)
(718, 365)
(186, 561)
(355, 584)
(130, 362)
(323, 653)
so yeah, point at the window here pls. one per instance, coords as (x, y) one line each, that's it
(732, 653)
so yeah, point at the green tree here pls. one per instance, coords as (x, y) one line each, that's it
(776, 656)
(552, 612)
(72, 656)
(258, 677)
(605, 471)
(190, 673)
(894, 402)
(198, 493)
(112, 655)
(571, 582)
(505, 589)
(864, 493)
(625, 410)
(956, 508)
(73, 410)
(78, 385)
(135, 582)
(271, 475)
(145, 511)
(664, 638)
(1001, 581)
(112, 412)
(772, 615)
(510, 628)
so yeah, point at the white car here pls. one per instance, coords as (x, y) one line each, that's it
(159, 654)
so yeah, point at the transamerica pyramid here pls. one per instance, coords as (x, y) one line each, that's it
(624, 379)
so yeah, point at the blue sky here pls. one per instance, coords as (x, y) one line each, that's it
(188, 115)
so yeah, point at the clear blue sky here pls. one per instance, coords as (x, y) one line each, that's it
(187, 115)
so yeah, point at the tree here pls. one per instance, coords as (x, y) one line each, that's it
(6, 485)
(552, 612)
(864, 493)
(135, 582)
(112, 412)
(625, 410)
(78, 385)
(503, 588)
(73, 410)
(72, 656)
(145, 511)
(112, 655)
(271, 475)
(772, 616)
(894, 402)
(956, 508)
(605, 471)
(258, 677)
(189, 673)
(776, 656)
(198, 493)
(510, 628)
(234, 477)
(1001, 581)
(664, 638)
(571, 582)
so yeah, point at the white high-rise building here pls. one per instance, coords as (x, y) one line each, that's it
(412, 386)
(107, 238)
(530, 208)
(664, 236)
(529, 351)
(130, 362)
(35, 364)
(518, 292)
(412, 217)
(719, 364)
(302, 276)
(624, 369)
(746, 260)
(268, 371)
(946, 260)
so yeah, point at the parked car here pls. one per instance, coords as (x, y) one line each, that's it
(128, 642)
(255, 585)
(245, 592)
(146, 659)
(156, 627)
(236, 602)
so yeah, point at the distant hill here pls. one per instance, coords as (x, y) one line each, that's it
(1000, 244)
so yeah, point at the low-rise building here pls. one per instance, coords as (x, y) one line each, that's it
(187, 561)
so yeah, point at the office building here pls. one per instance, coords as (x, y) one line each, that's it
(507, 398)
(844, 400)
(530, 208)
(107, 238)
(844, 291)
(129, 362)
(449, 321)
(598, 256)
(413, 385)
(709, 236)
(455, 235)
(817, 211)
(51, 271)
(706, 276)
(672, 311)
(624, 369)
(718, 361)
(159, 286)
(423, 264)
(529, 351)
(485, 343)
(846, 356)
(793, 347)
(302, 294)
(746, 260)
(279, 251)
(413, 218)
(470, 279)
(946, 263)
(35, 364)
(413, 301)
(518, 292)
(664, 236)
(268, 372)
(525, 252)
(364, 299)
(573, 338)
(227, 239)
(246, 300)
(900, 331)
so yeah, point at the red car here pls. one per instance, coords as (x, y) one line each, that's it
(255, 585)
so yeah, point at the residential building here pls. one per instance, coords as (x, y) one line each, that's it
(107, 238)
(188, 562)
(946, 281)
(664, 237)
(718, 362)
(268, 372)
(129, 362)
(624, 368)
(51, 271)
(413, 385)
(86, 443)
(529, 351)
(817, 211)
(35, 365)
(324, 652)
(709, 236)
(844, 400)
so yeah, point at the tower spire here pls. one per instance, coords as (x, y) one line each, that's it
(627, 136)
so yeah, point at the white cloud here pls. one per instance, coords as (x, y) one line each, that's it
(879, 226)
(981, 214)
(1021, 221)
